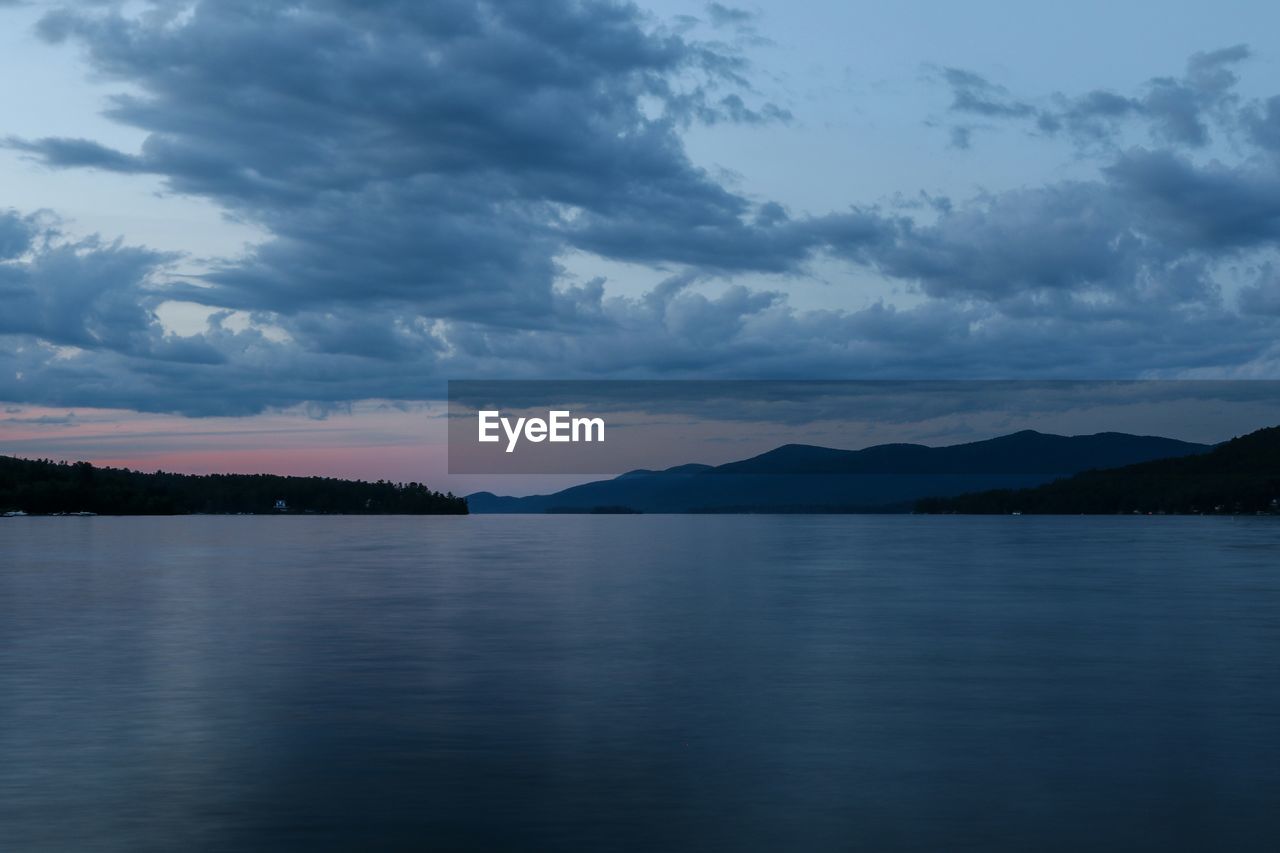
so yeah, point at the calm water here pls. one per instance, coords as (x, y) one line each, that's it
(640, 683)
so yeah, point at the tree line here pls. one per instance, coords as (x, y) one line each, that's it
(46, 487)
(1240, 476)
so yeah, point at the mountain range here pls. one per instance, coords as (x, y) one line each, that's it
(883, 478)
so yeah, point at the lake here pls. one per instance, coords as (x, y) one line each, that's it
(737, 683)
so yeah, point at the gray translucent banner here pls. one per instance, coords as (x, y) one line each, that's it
(589, 427)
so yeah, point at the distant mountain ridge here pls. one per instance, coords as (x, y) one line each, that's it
(1236, 477)
(882, 478)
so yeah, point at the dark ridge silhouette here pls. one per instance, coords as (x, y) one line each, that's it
(43, 487)
(1241, 476)
(1025, 452)
(886, 478)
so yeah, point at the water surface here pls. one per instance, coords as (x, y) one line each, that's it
(639, 683)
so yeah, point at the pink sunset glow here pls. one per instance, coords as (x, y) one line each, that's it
(372, 441)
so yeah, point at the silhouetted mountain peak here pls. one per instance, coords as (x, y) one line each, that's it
(687, 468)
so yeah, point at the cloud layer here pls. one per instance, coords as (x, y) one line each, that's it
(425, 170)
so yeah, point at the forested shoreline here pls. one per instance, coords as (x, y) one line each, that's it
(1238, 477)
(43, 487)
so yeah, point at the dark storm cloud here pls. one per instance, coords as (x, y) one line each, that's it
(1212, 207)
(769, 242)
(673, 332)
(85, 294)
(1064, 237)
(423, 170)
(16, 234)
(439, 159)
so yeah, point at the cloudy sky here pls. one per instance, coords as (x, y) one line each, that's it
(260, 236)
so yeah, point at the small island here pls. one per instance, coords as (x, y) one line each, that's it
(43, 487)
